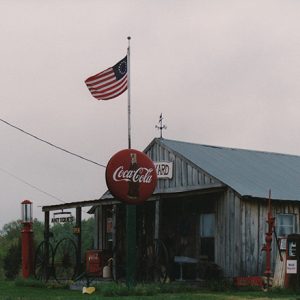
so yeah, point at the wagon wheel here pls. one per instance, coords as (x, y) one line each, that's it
(43, 261)
(158, 261)
(65, 259)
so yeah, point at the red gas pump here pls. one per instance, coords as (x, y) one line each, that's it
(27, 239)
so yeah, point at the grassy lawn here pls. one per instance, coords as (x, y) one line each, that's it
(11, 291)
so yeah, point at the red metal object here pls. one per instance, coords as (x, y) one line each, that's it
(248, 281)
(27, 239)
(268, 245)
(131, 176)
(94, 265)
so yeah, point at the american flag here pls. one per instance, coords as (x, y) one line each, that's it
(109, 83)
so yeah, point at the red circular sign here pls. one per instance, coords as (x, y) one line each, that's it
(131, 176)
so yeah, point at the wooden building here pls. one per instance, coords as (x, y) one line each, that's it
(210, 206)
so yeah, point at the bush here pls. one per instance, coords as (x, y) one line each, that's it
(12, 261)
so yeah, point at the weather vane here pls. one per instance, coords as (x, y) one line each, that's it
(161, 126)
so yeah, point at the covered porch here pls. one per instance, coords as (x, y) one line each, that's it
(176, 235)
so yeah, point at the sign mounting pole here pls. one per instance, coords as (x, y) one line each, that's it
(128, 89)
(130, 208)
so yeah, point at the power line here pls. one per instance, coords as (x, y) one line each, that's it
(32, 186)
(50, 144)
(36, 188)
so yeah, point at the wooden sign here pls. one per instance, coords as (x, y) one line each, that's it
(164, 170)
(62, 217)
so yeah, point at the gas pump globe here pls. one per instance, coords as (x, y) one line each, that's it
(26, 211)
(27, 238)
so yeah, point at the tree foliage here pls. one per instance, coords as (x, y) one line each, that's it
(12, 261)
(10, 245)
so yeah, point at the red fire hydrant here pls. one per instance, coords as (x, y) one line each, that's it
(27, 239)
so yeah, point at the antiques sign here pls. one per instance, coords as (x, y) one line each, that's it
(164, 170)
(62, 219)
(131, 176)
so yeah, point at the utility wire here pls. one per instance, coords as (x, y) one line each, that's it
(36, 188)
(50, 144)
(32, 186)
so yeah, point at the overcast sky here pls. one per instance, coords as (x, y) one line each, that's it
(222, 73)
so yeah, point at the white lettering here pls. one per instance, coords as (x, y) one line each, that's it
(141, 175)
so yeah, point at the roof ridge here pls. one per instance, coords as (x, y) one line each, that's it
(231, 148)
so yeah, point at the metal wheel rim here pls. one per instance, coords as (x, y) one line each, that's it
(65, 254)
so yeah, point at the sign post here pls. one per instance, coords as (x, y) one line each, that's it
(131, 178)
(130, 208)
(130, 245)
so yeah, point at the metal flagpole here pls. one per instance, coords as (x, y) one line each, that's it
(128, 88)
(130, 208)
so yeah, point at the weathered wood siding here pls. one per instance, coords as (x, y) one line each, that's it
(186, 175)
(227, 235)
(240, 233)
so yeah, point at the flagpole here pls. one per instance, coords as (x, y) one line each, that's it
(128, 88)
(130, 208)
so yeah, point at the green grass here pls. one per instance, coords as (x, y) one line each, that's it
(31, 289)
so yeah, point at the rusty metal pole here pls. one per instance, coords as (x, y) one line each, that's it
(268, 245)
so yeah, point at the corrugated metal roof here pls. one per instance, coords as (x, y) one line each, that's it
(248, 172)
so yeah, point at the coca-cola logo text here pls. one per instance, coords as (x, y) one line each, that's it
(140, 175)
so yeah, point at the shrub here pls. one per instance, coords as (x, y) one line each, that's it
(12, 261)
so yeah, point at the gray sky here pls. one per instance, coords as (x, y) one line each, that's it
(222, 73)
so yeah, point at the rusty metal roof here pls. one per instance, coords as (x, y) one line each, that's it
(248, 172)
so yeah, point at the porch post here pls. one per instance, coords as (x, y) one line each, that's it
(157, 219)
(46, 238)
(46, 229)
(114, 241)
(78, 237)
(99, 231)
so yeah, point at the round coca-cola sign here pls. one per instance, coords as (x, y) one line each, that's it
(131, 176)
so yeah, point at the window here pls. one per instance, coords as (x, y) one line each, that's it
(285, 224)
(207, 235)
(207, 225)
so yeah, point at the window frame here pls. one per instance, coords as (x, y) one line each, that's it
(201, 235)
(292, 226)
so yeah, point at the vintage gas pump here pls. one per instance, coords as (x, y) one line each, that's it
(27, 239)
(292, 261)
